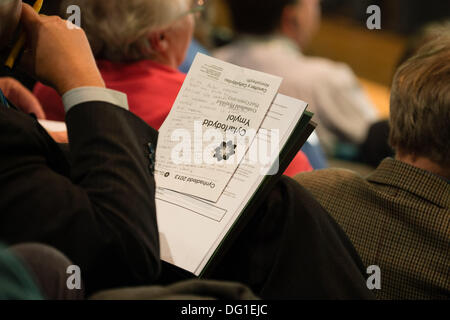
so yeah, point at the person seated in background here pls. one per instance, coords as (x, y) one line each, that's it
(271, 37)
(140, 58)
(376, 147)
(398, 217)
(95, 204)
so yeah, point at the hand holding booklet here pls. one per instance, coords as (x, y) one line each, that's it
(226, 140)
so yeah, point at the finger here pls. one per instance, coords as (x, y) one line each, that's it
(59, 137)
(30, 104)
(21, 97)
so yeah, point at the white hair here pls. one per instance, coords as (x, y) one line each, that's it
(118, 29)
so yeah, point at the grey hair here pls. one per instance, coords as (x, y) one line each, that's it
(118, 29)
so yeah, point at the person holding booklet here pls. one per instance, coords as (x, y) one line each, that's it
(96, 203)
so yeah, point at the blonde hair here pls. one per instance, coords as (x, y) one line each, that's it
(118, 29)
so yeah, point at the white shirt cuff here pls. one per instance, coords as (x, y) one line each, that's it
(88, 94)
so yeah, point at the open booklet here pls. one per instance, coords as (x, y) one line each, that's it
(195, 231)
(211, 125)
(217, 103)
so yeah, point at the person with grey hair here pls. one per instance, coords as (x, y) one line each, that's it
(398, 217)
(138, 45)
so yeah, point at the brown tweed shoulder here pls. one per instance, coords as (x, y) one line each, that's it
(397, 218)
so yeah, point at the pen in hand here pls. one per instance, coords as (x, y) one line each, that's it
(18, 46)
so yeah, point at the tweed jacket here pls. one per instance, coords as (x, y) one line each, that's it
(398, 218)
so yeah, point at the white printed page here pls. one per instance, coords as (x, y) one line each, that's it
(191, 229)
(211, 125)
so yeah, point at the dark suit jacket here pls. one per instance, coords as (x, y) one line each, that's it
(96, 205)
(398, 218)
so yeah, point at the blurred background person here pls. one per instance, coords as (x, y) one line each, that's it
(271, 37)
(373, 56)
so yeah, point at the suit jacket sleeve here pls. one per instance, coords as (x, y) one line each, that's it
(102, 216)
